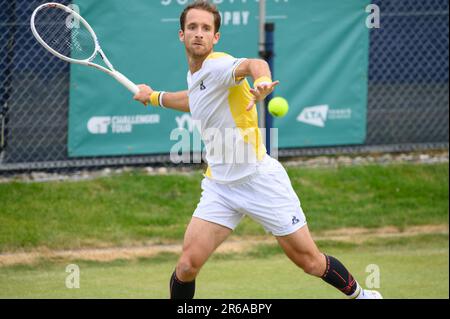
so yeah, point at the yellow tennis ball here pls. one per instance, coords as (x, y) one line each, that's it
(278, 107)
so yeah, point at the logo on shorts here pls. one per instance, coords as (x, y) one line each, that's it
(295, 220)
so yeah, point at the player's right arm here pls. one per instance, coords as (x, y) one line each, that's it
(173, 100)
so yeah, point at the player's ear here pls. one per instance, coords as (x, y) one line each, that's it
(181, 35)
(216, 38)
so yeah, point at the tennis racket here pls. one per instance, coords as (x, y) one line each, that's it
(65, 34)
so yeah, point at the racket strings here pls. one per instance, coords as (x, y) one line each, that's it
(64, 33)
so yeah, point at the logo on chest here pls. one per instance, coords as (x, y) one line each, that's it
(202, 86)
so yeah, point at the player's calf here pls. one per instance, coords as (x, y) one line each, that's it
(180, 289)
(338, 276)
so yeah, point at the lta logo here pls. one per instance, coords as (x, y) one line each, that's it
(314, 115)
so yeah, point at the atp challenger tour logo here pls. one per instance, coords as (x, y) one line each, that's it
(119, 124)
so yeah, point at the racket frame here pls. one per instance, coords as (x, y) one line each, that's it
(88, 62)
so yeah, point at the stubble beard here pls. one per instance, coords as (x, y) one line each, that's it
(196, 54)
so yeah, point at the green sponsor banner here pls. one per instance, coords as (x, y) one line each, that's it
(321, 60)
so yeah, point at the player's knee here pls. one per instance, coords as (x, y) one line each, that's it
(312, 266)
(187, 269)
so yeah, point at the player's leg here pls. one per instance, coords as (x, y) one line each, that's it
(200, 241)
(273, 203)
(302, 250)
(213, 221)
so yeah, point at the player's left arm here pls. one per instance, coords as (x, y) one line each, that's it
(259, 70)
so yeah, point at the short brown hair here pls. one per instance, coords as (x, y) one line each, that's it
(202, 5)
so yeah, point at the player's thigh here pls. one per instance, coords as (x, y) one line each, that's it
(216, 205)
(270, 200)
(201, 239)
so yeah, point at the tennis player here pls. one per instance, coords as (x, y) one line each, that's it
(241, 178)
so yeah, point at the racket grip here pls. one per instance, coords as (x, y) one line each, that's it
(125, 82)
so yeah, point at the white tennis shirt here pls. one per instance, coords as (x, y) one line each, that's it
(218, 103)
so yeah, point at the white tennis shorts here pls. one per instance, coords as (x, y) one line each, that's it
(266, 196)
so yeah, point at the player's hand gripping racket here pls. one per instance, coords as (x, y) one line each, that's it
(64, 33)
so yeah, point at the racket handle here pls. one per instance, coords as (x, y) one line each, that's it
(125, 82)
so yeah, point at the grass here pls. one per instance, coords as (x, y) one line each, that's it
(134, 207)
(415, 267)
(374, 196)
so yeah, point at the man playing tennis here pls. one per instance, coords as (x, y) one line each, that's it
(241, 178)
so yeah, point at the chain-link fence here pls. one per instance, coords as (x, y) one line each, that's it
(407, 108)
(408, 77)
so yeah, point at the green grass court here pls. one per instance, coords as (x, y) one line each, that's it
(413, 268)
(134, 208)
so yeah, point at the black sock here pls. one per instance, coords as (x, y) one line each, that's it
(338, 276)
(181, 290)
